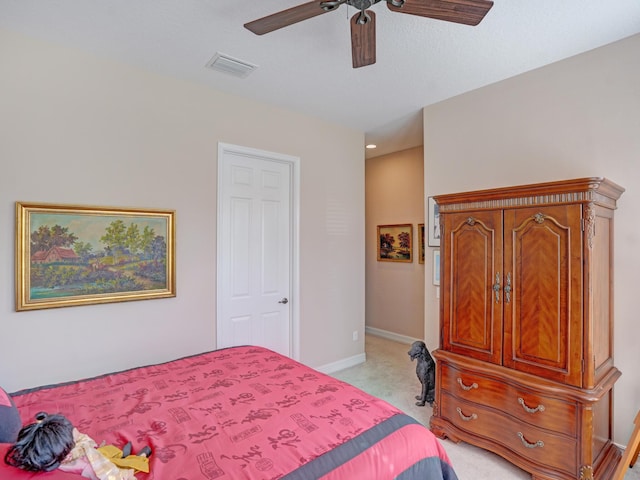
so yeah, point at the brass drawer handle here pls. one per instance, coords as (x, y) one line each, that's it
(538, 444)
(473, 416)
(539, 408)
(466, 387)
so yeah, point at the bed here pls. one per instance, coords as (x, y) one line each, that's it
(243, 413)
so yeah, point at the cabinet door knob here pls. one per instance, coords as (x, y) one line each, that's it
(284, 301)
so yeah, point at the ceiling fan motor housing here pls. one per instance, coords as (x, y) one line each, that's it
(359, 4)
(362, 4)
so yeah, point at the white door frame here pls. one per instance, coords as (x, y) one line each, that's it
(294, 164)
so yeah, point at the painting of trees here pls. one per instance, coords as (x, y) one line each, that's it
(46, 237)
(115, 255)
(394, 243)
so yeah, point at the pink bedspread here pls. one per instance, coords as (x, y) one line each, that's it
(245, 413)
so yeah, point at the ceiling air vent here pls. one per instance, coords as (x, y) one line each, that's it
(232, 66)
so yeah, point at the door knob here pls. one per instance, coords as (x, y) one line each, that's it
(284, 300)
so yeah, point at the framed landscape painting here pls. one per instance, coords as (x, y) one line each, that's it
(394, 243)
(421, 242)
(68, 255)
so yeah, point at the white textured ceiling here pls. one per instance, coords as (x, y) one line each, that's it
(307, 66)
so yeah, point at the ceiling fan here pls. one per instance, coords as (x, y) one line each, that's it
(363, 23)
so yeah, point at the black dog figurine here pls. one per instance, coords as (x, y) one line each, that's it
(426, 372)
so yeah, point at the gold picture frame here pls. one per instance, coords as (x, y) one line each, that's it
(69, 255)
(421, 243)
(395, 243)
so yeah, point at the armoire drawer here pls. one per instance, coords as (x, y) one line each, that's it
(537, 410)
(535, 444)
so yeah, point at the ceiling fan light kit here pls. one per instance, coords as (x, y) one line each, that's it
(363, 23)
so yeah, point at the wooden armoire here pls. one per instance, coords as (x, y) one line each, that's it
(525, 364)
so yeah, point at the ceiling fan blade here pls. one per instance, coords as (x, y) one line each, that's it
(363, 38)
(468, 12)
(286, 17)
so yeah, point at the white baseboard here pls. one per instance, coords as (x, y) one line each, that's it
(396, 337)
(361, 358)
(342, 364)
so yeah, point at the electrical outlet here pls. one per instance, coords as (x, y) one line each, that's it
(355, 335)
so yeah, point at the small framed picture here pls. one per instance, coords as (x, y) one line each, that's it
(421, 242)
(436, 267)
(433, 217)
(395, 243)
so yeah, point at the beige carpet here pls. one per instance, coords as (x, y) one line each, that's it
(389, 374)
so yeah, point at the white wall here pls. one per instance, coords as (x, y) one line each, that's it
(76, 129)
(576, 118)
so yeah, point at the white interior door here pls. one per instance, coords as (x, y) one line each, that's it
(255, 249)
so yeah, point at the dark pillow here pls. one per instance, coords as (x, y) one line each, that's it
(10, 423)
(12, 473)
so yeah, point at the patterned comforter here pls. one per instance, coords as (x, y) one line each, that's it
(245, 413)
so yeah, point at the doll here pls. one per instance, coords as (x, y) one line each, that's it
(52, 442)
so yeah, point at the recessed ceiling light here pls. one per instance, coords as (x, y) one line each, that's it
(371, 145)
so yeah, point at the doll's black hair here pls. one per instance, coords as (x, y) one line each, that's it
(42, 445)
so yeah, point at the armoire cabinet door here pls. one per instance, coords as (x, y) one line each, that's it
(543, 315)
(472, 308)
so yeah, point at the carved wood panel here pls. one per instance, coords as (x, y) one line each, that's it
(543, 318)
(475, 250)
